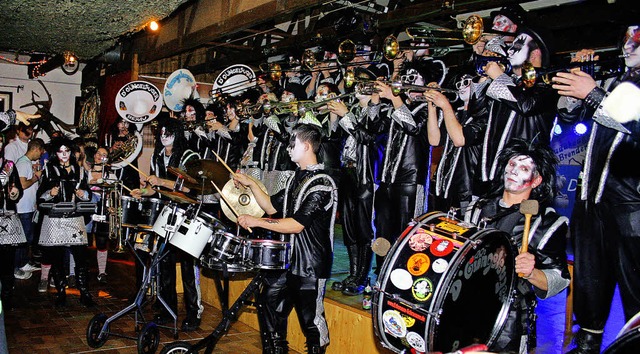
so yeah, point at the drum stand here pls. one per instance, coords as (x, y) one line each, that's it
(149, 337)
(229, 316)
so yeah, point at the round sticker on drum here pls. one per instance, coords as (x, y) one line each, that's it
(418, 264)
(416, 341)
(441, 247)
(439, 265)
(401, 279)
(420, 241)
(394, 324)
(422, 289)
(409, 321)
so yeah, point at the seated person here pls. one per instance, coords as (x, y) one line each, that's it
(528, 171)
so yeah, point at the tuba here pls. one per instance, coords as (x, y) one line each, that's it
(124, 152)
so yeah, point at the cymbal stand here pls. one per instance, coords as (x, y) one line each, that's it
(150, 280)
(229, 316)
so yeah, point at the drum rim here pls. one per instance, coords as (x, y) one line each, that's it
(441, 291)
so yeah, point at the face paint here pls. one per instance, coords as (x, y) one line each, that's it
(631, 47)
(190, 113)
(165, 138)
(519, 174)
(503, 24)
(64, 153)
(287, 97)
(464, 88)
(518, 53)
(296, 152)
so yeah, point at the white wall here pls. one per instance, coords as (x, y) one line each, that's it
(63, 88)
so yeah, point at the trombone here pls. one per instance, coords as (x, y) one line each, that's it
(471, 32)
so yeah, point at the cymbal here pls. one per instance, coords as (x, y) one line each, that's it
(177, 197)
(103, 185)
(208, 170)
(182, 174)
(242, 200)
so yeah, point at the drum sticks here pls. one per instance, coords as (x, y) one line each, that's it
(228, 203)
(528, 208)
(137, 169)
(224, 163)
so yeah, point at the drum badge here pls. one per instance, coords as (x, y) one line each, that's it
(409, 321)
(420, 241)
(439, 265)
(441, 247)
(416, 342)
(418, 264)
(394, 324)
(401, 279)
(422, 289)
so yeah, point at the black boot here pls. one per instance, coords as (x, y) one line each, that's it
(275, 344)
(316, 349)
(60, 281)
(82, 281)
(352, 251)
(587, 343)
(356, 287)
(7, 292)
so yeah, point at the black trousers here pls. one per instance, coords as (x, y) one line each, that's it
(281, 293)
(356, 208)
(606, 241)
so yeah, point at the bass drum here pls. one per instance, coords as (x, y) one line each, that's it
(628, 340)
(444, 285)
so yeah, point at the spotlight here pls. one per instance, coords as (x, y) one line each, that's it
(153, 25)
(580, 128)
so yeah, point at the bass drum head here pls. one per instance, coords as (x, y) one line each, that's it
(628, 340)
(444, 285)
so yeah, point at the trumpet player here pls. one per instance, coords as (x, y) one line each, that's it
(400, 195)
(358, 121)
(513, 111)
(451, 127)
(605, 218)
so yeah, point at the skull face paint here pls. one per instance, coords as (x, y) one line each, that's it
(64, 153)
(519, 174)
(631, 47)
(518, 53)
(296, 150)
(503, 24)
(166, 138)
(190, 113)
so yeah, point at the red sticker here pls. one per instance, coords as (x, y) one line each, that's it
(441, 247)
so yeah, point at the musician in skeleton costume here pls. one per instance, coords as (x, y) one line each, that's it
(513, 111)
(193, 114)
(11, 231)
(171, 151)
(605, 224)
(64, 181)
(400, 196)
(528, 172)
(227, 140)
(358, 121)
(452, 184)
(304, 214)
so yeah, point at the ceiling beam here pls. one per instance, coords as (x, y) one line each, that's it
(242, 15)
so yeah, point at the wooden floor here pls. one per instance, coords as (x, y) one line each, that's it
(35, 326)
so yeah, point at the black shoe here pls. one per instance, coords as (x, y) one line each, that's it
(190, 324)
(339, 285)
(162, 319)
(587, 343)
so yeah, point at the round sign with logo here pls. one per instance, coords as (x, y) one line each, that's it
(234, 80)
(138, 102)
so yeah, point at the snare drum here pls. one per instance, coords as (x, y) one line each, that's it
(141, 212)
(443, 286)
(193, 235)
(226, 247)
(168, 221)
(267, 254)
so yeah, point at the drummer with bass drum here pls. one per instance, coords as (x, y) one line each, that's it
(528, 171)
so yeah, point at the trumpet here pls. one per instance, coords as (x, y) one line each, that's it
(481, 61)
(598, 69)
